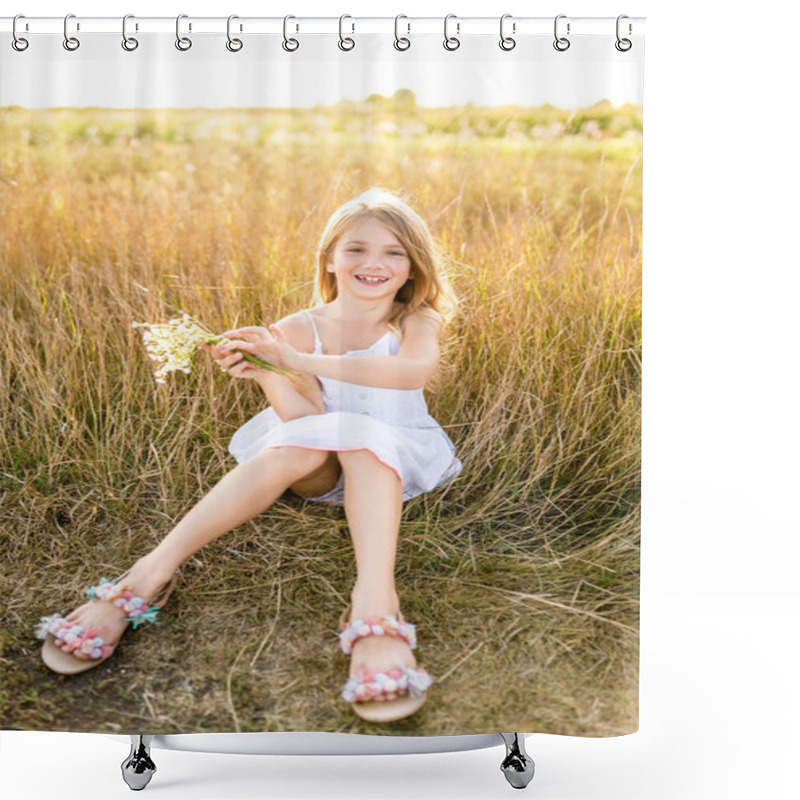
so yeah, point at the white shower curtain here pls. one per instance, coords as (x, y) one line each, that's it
(145, 183)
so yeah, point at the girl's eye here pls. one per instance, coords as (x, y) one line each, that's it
(359, 249)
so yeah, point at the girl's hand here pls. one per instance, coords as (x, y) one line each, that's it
(268, 345)
(232, 363)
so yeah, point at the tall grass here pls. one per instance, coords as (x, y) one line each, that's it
(522, 575)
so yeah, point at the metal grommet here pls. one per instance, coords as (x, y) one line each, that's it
(506, 42)
(128, 42)
(18, 42)
(401, 43)
(70, 42)
(451, 42)
(345, 42)
(234, 45)
(561, 43)
(623, 45)
(183, 43)
(290, 45)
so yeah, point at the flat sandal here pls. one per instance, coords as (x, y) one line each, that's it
(365, 694)
(88, 642)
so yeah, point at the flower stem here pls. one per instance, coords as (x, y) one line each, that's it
(291, 374)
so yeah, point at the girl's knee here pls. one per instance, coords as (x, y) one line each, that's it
(348, 457)
(364, 458)
(298, 459)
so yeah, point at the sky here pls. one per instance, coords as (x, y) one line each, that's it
(262, 74)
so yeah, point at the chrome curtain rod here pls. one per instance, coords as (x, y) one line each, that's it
(459, 26)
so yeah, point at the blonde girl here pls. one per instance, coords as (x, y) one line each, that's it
(363, 439)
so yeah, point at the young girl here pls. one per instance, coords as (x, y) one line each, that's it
(366, 441)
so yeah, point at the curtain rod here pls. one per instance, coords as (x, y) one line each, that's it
(349, 24)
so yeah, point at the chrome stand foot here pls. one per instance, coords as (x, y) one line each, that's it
(138, 768)
(517, 766)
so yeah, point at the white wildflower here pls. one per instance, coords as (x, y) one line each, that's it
(173, 345)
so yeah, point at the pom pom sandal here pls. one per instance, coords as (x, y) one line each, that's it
(79, 639)
(365, 694)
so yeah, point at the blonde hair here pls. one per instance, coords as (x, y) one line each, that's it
(427, 286)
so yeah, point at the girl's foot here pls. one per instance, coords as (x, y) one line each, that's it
(385, 684)
(378, 653)
(104, 619)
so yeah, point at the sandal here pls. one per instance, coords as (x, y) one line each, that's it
(366, 695)
(88, 642)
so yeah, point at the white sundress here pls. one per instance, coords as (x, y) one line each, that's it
(394, 424)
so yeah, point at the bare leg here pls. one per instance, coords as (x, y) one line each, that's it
(373, 501)
(244, 492)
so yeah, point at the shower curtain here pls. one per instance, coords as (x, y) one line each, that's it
(175, 169)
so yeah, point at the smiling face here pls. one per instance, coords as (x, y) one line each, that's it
(369, 261)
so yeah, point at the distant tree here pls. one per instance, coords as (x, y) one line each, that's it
(404, 99)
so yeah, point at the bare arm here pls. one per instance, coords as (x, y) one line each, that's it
(414, 363)
(288, 400)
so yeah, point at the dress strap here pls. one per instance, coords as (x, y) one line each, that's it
(317, 340)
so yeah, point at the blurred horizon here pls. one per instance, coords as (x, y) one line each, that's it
(374, 100)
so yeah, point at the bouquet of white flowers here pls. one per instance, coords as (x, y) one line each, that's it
(172, 346)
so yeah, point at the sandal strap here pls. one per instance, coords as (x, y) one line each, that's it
(400, 681)
(380, 626)
(135, 607)
(75, 636)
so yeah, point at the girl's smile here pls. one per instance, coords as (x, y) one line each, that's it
(369, 260)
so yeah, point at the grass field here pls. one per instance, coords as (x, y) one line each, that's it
(522, 576)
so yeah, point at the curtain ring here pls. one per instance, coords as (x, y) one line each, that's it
(128, 42)
(451, 42)
(70, 42)
(623, 45)
(346, 43)
(506, 42)
(290, 45)
(561, 43)
(18, 42)
(234, 45)
(401, 43)
(183, 43)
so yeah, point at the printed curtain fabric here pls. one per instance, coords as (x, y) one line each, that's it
(397, 489)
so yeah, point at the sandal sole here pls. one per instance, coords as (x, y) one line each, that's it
(389, 710)
(65, 663)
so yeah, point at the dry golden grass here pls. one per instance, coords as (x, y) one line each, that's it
(522, 576)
